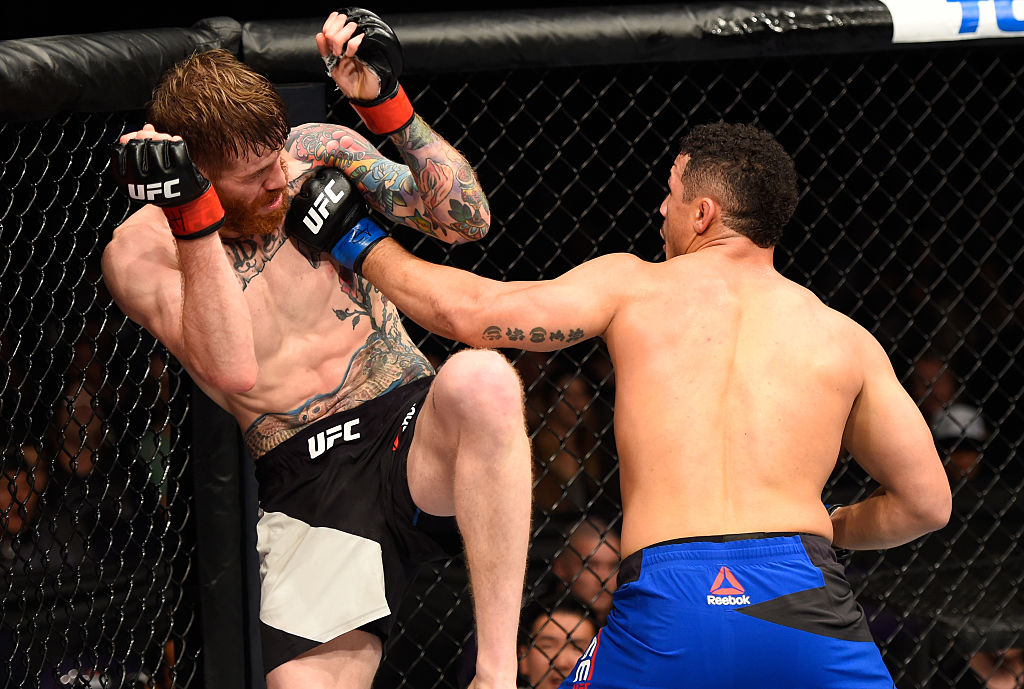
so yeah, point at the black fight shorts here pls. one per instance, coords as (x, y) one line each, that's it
(339, 537)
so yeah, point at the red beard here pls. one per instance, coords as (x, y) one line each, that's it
(245, 219)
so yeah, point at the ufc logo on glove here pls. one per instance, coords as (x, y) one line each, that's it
(314, 219)
(154, 190)
(329, 215)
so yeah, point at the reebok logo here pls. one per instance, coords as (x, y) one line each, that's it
(154, 190)
(361, 232)
(324, 440)
(727, 590)
(318, 212)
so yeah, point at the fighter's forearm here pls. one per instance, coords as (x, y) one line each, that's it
(451, 191)
(881, 521)
(439, 298)
(217, 336)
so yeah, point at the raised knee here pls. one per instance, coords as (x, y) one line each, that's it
(480, 382)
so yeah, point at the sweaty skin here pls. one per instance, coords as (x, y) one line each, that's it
(736, 388)
(316, 327)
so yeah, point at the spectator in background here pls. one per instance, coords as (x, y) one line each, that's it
(24, 471)
(975, 541)
(588, 564)
(960, 436)
(585, 567)
(932, 385)
(960, 432)
(957, 426)
(23, 478)
(552, 637)
(565, 427)
(80, 428)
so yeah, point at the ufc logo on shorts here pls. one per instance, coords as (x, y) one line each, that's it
(316, 215)
(154, 190)
(324, 440)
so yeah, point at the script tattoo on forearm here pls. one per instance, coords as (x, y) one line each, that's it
(517, 336)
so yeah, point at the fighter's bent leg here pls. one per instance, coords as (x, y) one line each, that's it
(470, 457)
(348, 661)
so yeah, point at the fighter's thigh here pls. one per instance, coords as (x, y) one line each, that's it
(476, 396)
(348, 661)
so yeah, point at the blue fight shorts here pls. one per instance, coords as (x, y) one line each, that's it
(763, 610)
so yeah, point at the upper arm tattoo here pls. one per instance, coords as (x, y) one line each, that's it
(444, 174)
(389, 186)
(435, 190)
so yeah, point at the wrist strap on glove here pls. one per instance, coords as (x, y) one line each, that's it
(197, 218)
(351, 250)
(386, 114)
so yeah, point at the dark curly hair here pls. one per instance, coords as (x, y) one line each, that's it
(746, 170)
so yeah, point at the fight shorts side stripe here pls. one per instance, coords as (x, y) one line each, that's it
(767, 610)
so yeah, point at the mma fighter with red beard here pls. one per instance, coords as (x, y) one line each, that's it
(369, 461)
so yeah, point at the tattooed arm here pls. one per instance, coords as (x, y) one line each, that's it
(436, 193)
(537, 316)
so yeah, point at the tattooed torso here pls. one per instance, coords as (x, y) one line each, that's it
(326, 340)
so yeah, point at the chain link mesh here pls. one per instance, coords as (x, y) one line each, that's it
(907, 222)
(96, 546)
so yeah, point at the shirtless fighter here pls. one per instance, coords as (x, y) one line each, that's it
(362, 453)
(736, 390)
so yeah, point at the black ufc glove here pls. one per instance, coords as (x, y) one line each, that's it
(161, 173)
(330, 215)
(381, 50)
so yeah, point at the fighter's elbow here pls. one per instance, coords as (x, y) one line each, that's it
(471, 229)
(238, 385)
(931, 510)
(236, 379)
(479, 232)
(465, 237)
(939, 509)
(449, 325)
(460, 321)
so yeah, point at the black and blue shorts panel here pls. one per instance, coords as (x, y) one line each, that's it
(751, 610)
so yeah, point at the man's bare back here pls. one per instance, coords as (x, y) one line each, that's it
(735, 393)
(736, 389)
(731, 397)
